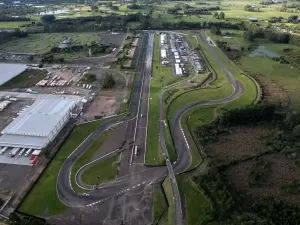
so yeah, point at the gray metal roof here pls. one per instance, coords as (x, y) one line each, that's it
(9, 71)
(19, 141)
(41, 118)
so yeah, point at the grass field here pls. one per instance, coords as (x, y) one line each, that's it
(43, 195)
(84, 159)
(189, 121)
(288, 78)
(12, 25)
(42, 42)
(171, 205)
(199, 207)
(159, 203)
(102, 172)
(26, 79)
(283, 74)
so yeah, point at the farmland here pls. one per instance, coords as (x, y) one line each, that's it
(42, 43)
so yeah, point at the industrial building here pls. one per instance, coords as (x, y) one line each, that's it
(163, 39)
(9, 71)
(38, 124)
(178, 70)
(163, 53)
(199, 67)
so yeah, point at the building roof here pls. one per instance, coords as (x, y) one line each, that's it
(163, 53)
(19, 141)
(178, 70)
(38, 124)
(9, 71)
(41, 118)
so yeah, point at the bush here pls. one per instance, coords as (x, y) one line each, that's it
(108, 81)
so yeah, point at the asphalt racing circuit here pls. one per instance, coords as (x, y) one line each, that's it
(128, 199)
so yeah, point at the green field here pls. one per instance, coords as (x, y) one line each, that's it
(199, 207)
(159, 203)
(86, 158)
(102, 172)
(283, 74)
(171, 205)
(12, 25)
(43, 195)
(26, 79)
(42, 42)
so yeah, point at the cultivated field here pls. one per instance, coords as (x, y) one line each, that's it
(41, 43)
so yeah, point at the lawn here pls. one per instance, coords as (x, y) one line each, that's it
(159, 203)
(288, 78)
(43, 195)
(171, 206)
(41, 43)
(189, 121)
(86, 158)
(26, 79)
(102, 172)
(199, 208)
(12, 25)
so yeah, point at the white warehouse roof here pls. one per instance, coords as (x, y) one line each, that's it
(38, 124)
(162, 38)
(9, 71)
(178, 70)
(163, 53)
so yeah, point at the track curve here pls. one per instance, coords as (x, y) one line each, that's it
(65, 191)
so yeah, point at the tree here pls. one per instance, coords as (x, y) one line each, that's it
(215, 30)
(108, 81)
(248, 36)
(48, 18)
(292, 19)
(18, 219)
(296, 131)
(61, 60)
(94, 8)
(20, 34)
(109, 4)
(222, 15)
(30, 58)
(216, 15)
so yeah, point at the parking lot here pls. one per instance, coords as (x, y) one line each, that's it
(12, 177)
(18, 156)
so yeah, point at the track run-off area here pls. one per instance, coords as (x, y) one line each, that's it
(134, 176)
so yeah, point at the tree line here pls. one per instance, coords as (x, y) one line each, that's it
(11, 19)
(252, 114)
(272, 35)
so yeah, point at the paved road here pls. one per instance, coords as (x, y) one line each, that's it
(180, 141)
(136, 132)
(135, 175)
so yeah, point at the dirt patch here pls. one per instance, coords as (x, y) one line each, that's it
(262, 51)
(280, 172)
(272, 92)
(240, 144)
(108, 101)
(101, 106)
